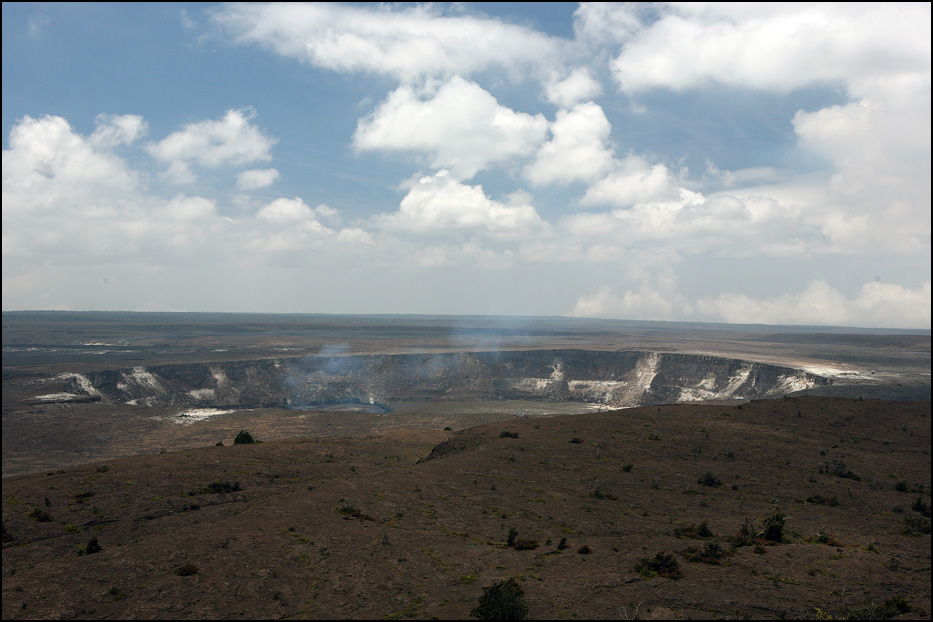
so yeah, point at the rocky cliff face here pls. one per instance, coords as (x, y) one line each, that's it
(616, 379)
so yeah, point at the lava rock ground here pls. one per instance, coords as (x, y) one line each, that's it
(379, 526)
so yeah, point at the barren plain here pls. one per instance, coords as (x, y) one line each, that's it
(406, 505)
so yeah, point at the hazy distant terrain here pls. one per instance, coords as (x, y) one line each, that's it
(147, 374)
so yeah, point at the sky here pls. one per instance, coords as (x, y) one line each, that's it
(718, 162)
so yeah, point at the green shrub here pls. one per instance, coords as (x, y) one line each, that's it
(694, 531)
(774, 526)
(244, 438)
(93, 546)
(40, 515)
(504, 600)
(839, 469)
(711, 552)
(661, 565)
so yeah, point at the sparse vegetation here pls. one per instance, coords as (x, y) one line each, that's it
(40, 516)
(661, 565)
(774, 526)
(508, 434)
(694, 531)
(839, 469)
(216, 488)
(187, 570)
(822, 537)
(821, 500)
(504, 600)
(709, 479)
(711, 553)
(244, 438)
(93, 546)
(891, 608)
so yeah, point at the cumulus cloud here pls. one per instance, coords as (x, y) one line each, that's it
(229, 141)
(768, 46)
(877, 304)
(51, 167)
(439, 203)
(256, 178)
(578, 149)
(405, 43)
(643, 301)
(635, 180)
(286, 211)
(578, 87)
(879, 194)
(461, 128)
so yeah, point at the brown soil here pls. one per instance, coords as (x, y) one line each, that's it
(413, 524)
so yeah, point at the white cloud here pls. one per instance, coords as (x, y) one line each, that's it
(50, 167)
(877, 304)
(879, 195)
(880, 305)
(440, 203)
(230, 141)
(183, 208)
(285, 211)
(634, 181)
(643, 301)
(115, 130)
(605, 23)
(461, 127)
(256, 178)
(405, 43)
(578, 149)
(578, 87)
(776, 46)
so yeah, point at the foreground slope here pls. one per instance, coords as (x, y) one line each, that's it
(415, 524)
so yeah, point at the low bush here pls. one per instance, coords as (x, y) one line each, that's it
(504, 600)
(661, 565)
(508, 434)
(839, 469)
(711, 553)
(694, 531)
(40, 515)
(709, 479)
(244, 438)
(187, 570)
(774, 526)
(93, 546)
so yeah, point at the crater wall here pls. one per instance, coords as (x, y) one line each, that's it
(615, 379)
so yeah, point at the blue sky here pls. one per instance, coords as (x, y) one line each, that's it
(748, 163)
